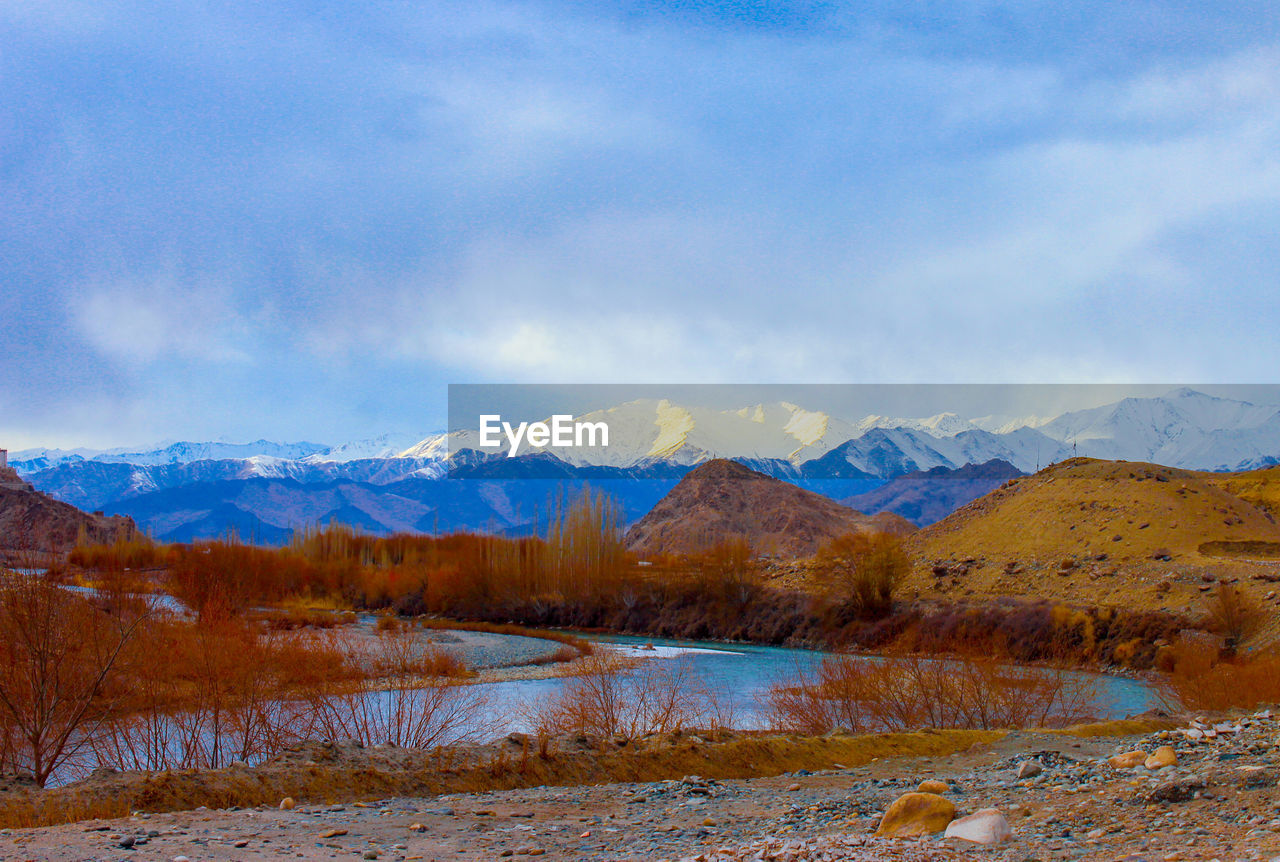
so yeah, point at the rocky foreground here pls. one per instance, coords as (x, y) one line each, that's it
(1203, 791)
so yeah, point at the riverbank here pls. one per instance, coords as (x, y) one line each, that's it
(1057, 791)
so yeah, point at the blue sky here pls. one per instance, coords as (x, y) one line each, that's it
(301, 221)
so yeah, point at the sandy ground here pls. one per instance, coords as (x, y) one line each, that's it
(1219, 802)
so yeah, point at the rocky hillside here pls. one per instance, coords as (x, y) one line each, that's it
(723, 500)
(1114, 532)
(31, 521)
(927, 496)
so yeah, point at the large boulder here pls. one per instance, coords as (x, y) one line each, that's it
(1128, 760)
(914, 814)
(1162, 757)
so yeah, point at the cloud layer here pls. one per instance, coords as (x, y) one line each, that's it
(301, 221)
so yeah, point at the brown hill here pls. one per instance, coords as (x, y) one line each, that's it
(723, 500)
(31, 521)
(1113, 532)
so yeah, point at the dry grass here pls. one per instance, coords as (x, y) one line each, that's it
(291, 618)
(447, 771)
(1259, 487)
(30, 813)
(580, 646)
(1120, 727)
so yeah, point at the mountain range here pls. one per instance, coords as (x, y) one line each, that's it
(183, 490)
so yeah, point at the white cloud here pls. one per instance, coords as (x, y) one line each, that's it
(141, 321)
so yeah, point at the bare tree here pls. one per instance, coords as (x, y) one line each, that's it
(58, 649)
(1235, 616)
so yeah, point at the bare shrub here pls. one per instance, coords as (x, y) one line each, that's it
(1235, 616)
(203, 696)
(614, 696)
(409, 694)
(862, 571)
(1201, 679)
(908, 692)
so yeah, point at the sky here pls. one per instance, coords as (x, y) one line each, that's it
(302, 221)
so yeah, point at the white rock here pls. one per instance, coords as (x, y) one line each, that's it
(985, 826)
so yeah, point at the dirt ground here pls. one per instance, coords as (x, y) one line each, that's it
(1219, 802)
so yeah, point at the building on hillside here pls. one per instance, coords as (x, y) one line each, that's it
(4, 458)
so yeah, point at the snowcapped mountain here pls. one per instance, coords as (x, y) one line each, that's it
(265, 454)
(1005, 424)
(941, 425)
(648, 431)
(382, 446)
(189, 488)
(1183, 428)
(181, 452)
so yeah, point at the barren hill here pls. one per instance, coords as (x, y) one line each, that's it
(723, 500)
(1104, 531)
(31, 521)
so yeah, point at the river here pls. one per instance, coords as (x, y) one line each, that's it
(741, 675)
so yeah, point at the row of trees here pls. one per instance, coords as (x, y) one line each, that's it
(103, 678)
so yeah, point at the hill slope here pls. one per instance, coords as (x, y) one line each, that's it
(1101, 531)
(722, 500)
(31, 521)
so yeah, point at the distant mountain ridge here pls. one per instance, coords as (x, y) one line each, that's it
(658, 442)
(926, 496)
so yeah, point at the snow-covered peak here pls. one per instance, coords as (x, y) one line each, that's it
(433, 446)
(1004, 424)
(382, 446)
(940, 425)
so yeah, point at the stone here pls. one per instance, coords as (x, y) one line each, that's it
(914, 814)
(1029, 769)
(1177, 789)
(1128, 760)
(1162, 757)
(333, 833)
(933, 785)
(287, 803)
(985, 826)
